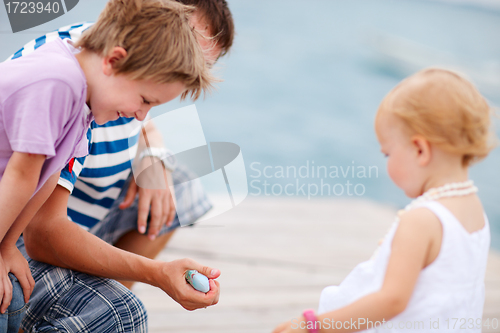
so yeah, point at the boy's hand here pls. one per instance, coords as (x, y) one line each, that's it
(172, 280)
(15, 263)
(5, 288)
(155, 199)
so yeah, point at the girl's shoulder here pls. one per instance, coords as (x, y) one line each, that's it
(420, 220)
(424, 225)
(460, 218)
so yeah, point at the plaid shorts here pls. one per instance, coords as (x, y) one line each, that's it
(69, 301)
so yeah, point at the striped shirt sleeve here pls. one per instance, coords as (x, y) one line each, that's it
(72, 170)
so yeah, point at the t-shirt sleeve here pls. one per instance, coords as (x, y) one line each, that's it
(70, 173)
(72, 170)
(34, 116)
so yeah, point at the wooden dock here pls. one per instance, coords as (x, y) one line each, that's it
(276, 255)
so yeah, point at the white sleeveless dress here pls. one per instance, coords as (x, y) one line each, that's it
(451, 287)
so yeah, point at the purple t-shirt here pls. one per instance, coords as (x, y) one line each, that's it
(42, 108)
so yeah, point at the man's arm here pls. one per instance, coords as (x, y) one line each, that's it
(52, 238)
(149, 137)
(155, 196)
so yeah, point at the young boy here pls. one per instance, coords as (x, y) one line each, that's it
(136, 66)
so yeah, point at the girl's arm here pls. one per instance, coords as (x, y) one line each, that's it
(418, 231)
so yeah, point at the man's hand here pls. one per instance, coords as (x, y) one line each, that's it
(155, 197)
(171, 279)
(15, 263)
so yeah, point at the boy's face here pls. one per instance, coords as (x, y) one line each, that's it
(119, 96)
(115, 96)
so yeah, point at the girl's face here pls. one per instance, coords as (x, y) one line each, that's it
(396, 144)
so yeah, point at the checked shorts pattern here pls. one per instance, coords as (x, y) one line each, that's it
(69, 301)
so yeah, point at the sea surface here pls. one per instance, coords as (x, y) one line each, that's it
(304, 79)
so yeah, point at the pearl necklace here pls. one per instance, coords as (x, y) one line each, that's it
(445, 191)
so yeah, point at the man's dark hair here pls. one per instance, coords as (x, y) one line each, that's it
(218, 16)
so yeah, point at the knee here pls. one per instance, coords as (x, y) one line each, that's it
(133, 313)
(17, 302)
(122, 307)
(96, 305)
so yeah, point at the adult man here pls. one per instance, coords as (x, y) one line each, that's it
(70, 251)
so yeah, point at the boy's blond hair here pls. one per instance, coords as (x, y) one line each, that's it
(446, 109)
(161, 46)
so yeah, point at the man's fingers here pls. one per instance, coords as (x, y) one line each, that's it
(143, 212)
(211, 273)
(157, 216)
(171, 211)
(166, 210)
(171, 198)
(214, 285)
(130, 196)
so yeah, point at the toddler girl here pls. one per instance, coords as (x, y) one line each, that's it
(428, 274)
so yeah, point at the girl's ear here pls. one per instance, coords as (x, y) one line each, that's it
(116, 54)
(423, 150)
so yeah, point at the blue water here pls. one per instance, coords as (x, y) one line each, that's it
(304, 80)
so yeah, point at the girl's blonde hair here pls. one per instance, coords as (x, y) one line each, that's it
(161, 46)
(447, 110)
